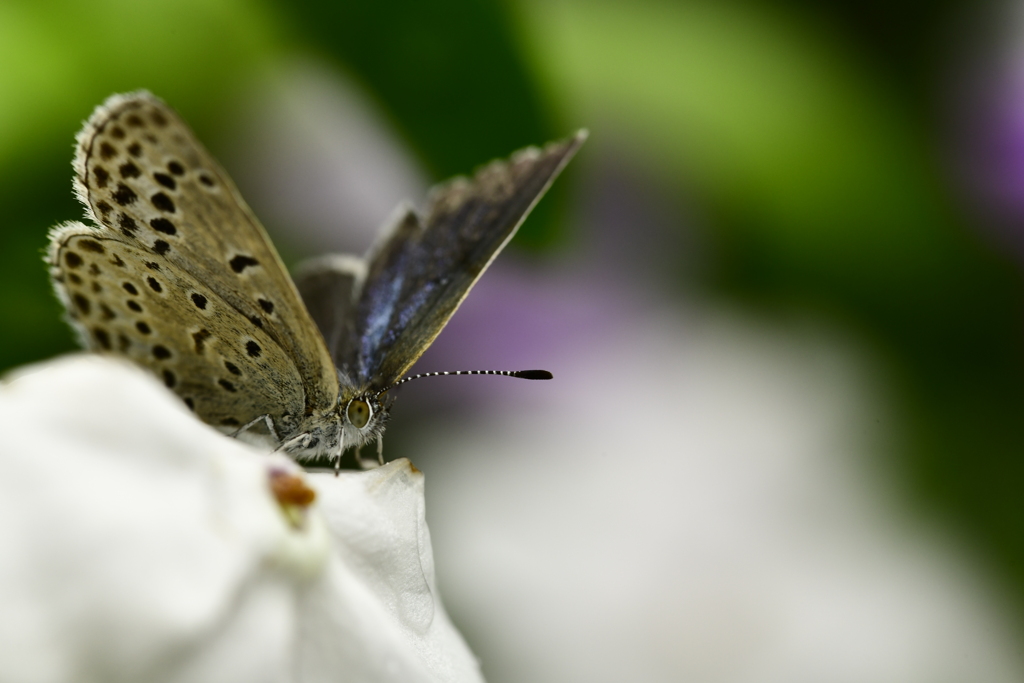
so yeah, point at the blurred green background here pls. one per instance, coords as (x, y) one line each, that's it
(817, 142)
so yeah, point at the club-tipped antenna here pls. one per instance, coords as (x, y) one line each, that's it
(521, 374)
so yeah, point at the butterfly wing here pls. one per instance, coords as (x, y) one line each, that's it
(330, 286)
(152, 187)
(122, 299)
(423, 268)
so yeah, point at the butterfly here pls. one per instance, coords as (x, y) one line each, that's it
(177, 274)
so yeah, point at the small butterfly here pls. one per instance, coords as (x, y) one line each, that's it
(179, 276)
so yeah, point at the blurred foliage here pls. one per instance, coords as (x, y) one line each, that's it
(821, 176)
(804, 131)
(58, 60)
(450, 74)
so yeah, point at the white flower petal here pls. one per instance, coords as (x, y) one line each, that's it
(379, 594)
(140, 544)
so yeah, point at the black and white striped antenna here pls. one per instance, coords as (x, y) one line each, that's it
(522, 374)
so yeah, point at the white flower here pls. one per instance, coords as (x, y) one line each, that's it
(138, 544)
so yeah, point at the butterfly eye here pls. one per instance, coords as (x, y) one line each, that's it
(359, 413)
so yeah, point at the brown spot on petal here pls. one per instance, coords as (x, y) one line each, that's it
(290, 489)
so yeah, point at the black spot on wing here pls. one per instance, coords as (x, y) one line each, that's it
(127, 224)
(90, 245)
(154, 284)
(165, 180)
(107, 151)
(102, 337)
(162, 202)
(161, 352)
(199, 339)
(163, 225)
(175, 168)
(161, 247)
(199, 300)
(124, 195)
(101, 176)
(129, 170)
(253, 349)
(72, 260)
(82, 304)
(241, 262)
(130, 288)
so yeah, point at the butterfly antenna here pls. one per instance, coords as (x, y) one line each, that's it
(522, 374)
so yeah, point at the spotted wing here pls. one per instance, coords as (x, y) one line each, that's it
(144, 177)
(123, 299)
(424, 267)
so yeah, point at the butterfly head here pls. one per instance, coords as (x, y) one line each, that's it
(362, 418)
(354, 421)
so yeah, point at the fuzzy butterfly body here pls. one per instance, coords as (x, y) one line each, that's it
(177, 274)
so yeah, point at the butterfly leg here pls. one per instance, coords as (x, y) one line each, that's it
(266, 419)
(341, 450)
(302, 441)
(367, 464)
